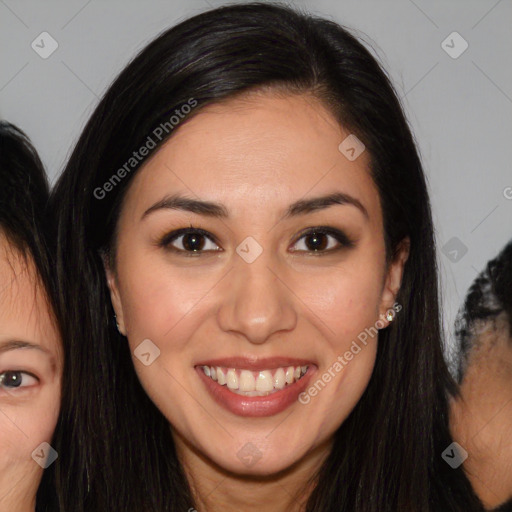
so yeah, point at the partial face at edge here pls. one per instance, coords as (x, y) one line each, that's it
(30, 379)
(255, 156)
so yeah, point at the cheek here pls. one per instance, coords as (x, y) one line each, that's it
(346, 300)
(156, 299)
(24, 426)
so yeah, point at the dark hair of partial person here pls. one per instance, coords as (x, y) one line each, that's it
(26, 224)
(505, 507)
(387, 454)
(489, 296)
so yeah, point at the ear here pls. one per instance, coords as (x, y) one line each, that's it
(393, 280)
(114, 293)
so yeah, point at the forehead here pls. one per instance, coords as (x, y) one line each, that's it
(24, 310)
(256, 148)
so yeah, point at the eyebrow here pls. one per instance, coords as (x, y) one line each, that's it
(217, 210)
(6, 346)
(9, 345)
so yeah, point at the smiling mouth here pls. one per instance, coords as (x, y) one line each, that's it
(255, 383)
(256, 387)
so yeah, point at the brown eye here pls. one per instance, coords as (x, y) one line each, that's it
(191, 240)
(323, 240)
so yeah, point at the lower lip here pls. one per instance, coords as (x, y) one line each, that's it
(256, 406)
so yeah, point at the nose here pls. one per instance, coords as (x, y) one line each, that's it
(256, 302)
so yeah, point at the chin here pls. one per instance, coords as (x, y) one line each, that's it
(256, 467)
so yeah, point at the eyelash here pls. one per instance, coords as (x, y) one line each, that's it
(344, 241)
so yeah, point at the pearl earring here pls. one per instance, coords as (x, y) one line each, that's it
(117, 325)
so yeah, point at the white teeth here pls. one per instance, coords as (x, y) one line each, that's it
(221, 377)
(232, 379)
(264, 381)
(249, 383)
(279, 379)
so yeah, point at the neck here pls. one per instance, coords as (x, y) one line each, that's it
(215, 489)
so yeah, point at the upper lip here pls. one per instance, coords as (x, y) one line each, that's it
(247, 363)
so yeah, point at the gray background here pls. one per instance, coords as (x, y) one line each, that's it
(459, 108)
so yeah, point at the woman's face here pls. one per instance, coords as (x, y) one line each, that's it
(254, 303)
(30, 377)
